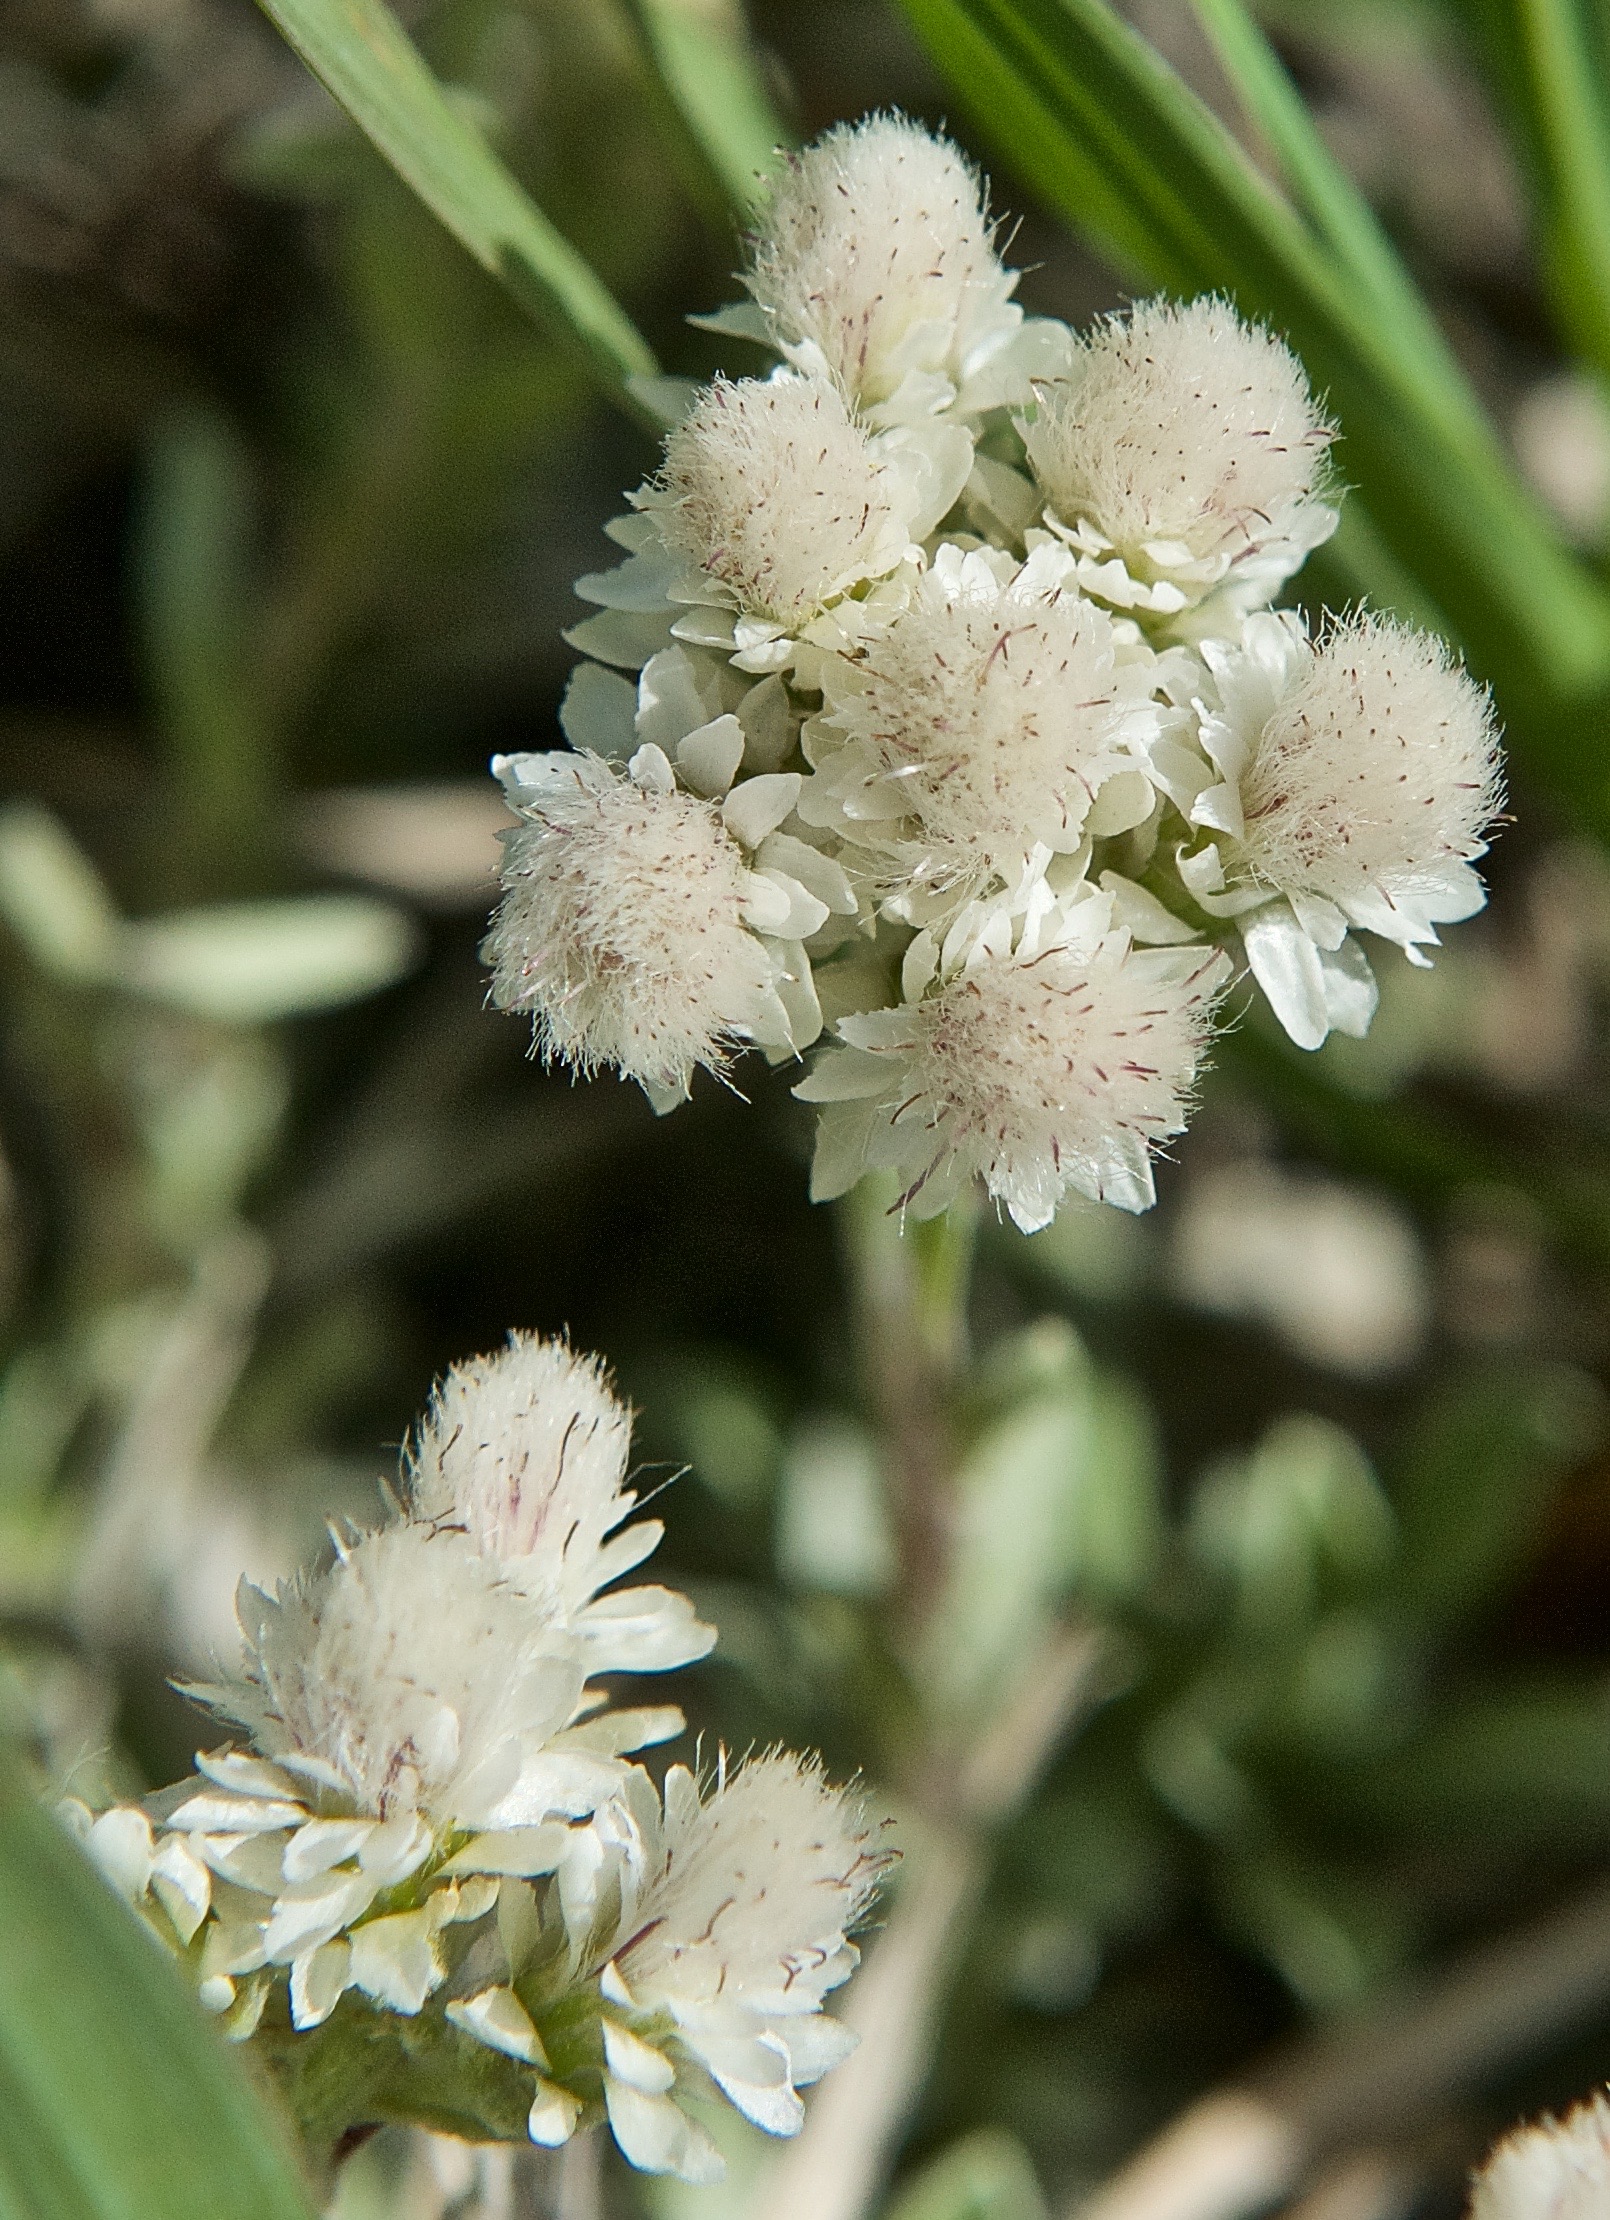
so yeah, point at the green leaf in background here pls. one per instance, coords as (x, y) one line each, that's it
(117, 2101)
(249, 963)
(1057, 1496)
(193, 570)
(1317, 183)
(360, 52)
(708, 65)
(1302, 1512)
(1476, 1479)
(986, 2176)
(53, 898)
(1084, 110)
(1549, 64)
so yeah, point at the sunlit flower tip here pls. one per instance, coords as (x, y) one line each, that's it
(527, 1452)
(1038, 1070)
(1552, 2170)
(405, 1681)
(631, 922)
(781, 504)
(875, 261)
(1184, 449)
(737, 1929)
(997, 713)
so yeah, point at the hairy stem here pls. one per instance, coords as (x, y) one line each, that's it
(909, 1287)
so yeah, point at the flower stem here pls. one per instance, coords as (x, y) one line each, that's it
(910, 1284)
(909, 1289)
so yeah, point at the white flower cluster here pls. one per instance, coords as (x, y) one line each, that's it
(939, 692)
(428, 1823)
(1551, 2170)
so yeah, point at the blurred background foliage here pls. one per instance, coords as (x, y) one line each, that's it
(291, 496)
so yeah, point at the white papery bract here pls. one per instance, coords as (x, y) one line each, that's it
(774, 513)
(1356, 783)
(526, 1453)
(631, 925)
(1181, 454)
(736, 1907)
(1551, 2170)
(407, 1676)
(778, 495)
(1059, 1058)
(962, 622)
(432, 1818)
(1001, 713)
(874, 265)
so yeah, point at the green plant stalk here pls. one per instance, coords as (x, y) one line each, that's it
(359, 51)
(909, 1285)
(1544, 55)
(194, 573)
(707, 65)
(1087, 113)
(1319, 186)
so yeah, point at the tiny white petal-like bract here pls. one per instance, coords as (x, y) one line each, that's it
(1357, 782)
(1001, 710)
(408, 1677)
(1055, 1057)
(736, 1907)
(424, 1752)
(631, 927)
(874, 261)
(1182, 451)
(1550, 2170)
(774, 492)
(527, 1452)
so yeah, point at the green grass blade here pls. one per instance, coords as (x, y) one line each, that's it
(194, 576)
(1550, 69)
(117, 2101)
(1317, 183)
(360, 52)
(1083, 110)
(708, 65)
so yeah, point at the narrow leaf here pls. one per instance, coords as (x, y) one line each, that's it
(117, 2101)
(1085, 111)
(708, 65)
(1546, 56)
(195, 586)
(360, 52)
(1317, 183)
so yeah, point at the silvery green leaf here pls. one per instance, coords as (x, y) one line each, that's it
(52, 897)
(250, 963)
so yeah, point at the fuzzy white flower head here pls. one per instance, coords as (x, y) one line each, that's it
(1552, 2170)
(874, 263)
(527, 1452)
(773, 490)
(631, 925)
(736, 1907)
(1183, 452)
(1057, 1056)
(1358, 781)
(997, 713)
(407, 1677)
(785, 514)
